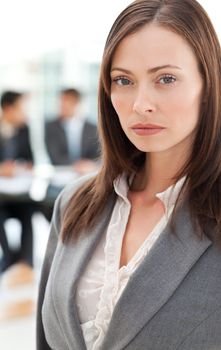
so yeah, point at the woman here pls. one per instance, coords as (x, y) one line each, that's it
(134, 256)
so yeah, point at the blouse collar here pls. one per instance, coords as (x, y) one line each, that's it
(167, 197)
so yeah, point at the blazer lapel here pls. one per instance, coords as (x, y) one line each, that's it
(155, 281)
(60, 142)
(74, 258)
(83, 140)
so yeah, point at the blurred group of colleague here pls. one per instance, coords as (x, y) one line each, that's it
(70, 140)
(15, 155)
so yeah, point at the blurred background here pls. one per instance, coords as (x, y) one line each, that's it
(47, 46)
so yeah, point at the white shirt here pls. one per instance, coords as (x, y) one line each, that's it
(7, 130)
(102, 282)
(73, 129)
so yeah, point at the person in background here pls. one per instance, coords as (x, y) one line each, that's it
(70, 139)
(15, 156)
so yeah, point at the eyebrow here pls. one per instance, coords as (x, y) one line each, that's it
(150, 70)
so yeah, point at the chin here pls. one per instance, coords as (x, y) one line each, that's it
(149, 148)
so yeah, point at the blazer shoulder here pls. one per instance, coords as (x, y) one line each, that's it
(71, 188)
(53, 123)
(88, 125)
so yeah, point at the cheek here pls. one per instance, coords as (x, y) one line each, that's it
(121, 107)
(121, 104)
(117, 103)
(183, 111)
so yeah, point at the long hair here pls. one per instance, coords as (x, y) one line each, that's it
(203, 168)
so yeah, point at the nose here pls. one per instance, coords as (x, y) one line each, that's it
(143, 103)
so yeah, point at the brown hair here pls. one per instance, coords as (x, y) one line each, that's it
(203, 170)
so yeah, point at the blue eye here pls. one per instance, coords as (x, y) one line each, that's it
(122, 81)
(167, 79)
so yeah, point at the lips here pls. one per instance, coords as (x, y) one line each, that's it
(147, 129)
(146, 126)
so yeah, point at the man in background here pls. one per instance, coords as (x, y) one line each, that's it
(15, 156)
(14, 134)
(70, 139)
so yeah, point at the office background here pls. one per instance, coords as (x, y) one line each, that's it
(47, 45)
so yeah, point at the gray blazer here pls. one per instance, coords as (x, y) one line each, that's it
(57, 147)
(171, 302)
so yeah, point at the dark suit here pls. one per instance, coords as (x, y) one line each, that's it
(57, 146)
(16, 148)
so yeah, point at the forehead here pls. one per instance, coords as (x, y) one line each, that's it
(20, 101)
(68, 97)
(152, 45)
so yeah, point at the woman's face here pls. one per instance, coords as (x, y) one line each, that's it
(156, 89)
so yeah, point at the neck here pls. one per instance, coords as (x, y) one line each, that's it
(7, 118)
(159, 172)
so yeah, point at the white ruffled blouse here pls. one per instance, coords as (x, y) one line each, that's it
(103, 282)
